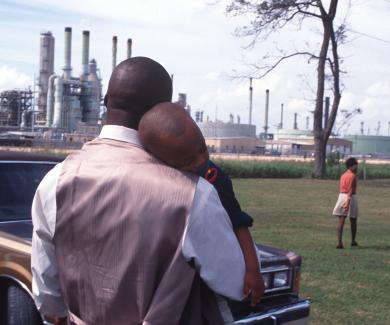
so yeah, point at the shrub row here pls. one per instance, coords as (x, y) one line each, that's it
(289, 169)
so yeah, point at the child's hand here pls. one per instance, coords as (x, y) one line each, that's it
(254, 286)
(346, 207)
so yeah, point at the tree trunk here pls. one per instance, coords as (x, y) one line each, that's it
(319, 139)
(320, 158)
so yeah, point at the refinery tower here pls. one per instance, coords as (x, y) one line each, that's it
(65, 100)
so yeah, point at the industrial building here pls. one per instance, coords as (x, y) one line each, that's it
(234, 137)
(374, 145)
(64, 103)
(301, 142)
(16, 107)
(69, 100)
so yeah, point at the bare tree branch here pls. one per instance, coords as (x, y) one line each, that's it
(268, 69)
(269, 16)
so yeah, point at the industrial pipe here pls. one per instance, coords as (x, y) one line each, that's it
(58, 103)
(129, 47)
(85, 53)
(114, 51)
(266, 113)
(67, 53)
(295, 121)
(250, 100)
(50, 100)
(281, 116)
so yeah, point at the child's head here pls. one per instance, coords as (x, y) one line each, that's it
(351, 164)
(170, 134)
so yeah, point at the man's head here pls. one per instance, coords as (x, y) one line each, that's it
(351, 164)
(135, 86)
(170, 134)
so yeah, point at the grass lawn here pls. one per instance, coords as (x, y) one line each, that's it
(350, 286)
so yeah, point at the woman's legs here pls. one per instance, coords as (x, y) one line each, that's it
(353, 231)
(340, 227)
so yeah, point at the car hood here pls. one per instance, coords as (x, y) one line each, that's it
(22, 229)
(272, 256)
(269, 256)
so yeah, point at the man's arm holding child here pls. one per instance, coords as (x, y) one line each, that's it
(211, 243)
(253, 282)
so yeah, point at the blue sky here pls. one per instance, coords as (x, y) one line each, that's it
(194, 41)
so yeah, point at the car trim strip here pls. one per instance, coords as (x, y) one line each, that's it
(273, 314)
(28, 162)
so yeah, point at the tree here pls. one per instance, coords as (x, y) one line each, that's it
(272, 15)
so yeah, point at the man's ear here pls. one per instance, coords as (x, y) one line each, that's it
(105, 100)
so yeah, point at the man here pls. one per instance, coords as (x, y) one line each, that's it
(346, 205)
(119, 237)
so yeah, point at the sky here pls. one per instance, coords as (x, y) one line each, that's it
(194, 40)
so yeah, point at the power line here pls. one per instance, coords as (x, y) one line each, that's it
(369, 36)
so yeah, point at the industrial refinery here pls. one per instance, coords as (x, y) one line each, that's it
(65, 100)
(60, 101)
(66, 107)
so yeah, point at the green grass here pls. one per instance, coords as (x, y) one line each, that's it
(350, 286)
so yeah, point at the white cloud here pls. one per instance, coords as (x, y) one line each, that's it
(379, 89)
(10, 78)
(146, 11)
(212, 75)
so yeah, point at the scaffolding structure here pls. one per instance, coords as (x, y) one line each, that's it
(16, 108)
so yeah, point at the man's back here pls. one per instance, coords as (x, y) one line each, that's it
(119, 246)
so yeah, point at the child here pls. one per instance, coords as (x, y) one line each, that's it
(347, 203)
(170, 134)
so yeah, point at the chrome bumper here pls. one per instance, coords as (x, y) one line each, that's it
(293, 314)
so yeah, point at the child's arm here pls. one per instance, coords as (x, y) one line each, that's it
(253, 283)
(350, 192)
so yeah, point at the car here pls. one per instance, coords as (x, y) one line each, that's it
(20, 174)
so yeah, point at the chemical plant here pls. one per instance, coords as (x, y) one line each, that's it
(65, 109)
(62, 103)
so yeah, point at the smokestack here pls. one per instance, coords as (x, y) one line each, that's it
(85, 53)
(67, 53)
(307, 122)
(388, 129)
(266, 113)
(46, 69)
(281, 116)
(129, 47)
(114, 50)
(362, 128)
(250, 100)
(182, 100)
(295, 121)
(326, 114)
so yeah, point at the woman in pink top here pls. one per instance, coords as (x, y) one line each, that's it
(346, 205)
